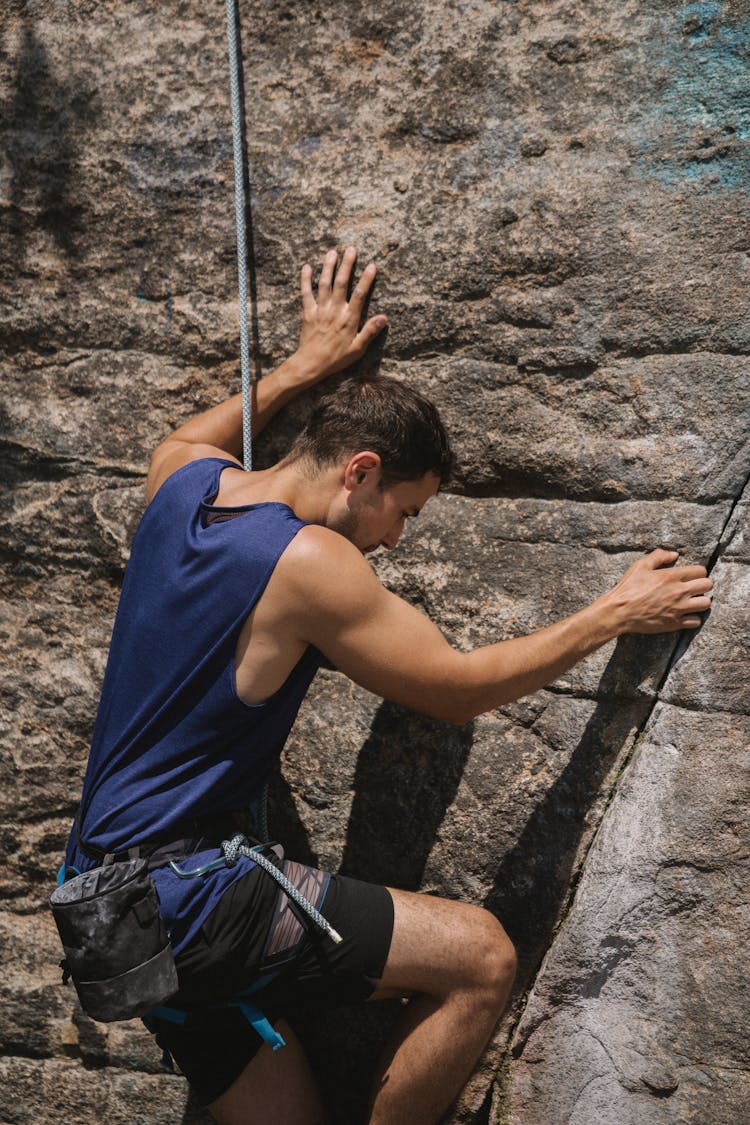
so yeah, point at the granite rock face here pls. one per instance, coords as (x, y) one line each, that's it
(556, 196)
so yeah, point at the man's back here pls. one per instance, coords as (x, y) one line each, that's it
(173, 741)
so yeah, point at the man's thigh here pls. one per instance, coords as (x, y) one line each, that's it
(439, 945)
(275, 1086)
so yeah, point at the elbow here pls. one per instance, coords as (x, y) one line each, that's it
(452, 707)
(455, 719)
(460, 715)
(454, 698)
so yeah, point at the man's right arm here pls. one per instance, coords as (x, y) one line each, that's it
(394, 650)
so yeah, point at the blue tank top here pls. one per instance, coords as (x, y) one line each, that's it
(172, 739)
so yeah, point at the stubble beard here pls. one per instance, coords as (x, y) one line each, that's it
(349, 526)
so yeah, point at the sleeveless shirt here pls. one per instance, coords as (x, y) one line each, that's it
(172, 739)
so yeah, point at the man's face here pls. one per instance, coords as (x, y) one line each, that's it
(376, 517)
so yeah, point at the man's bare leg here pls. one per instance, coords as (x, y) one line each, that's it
(275, 1086)
(459, 964)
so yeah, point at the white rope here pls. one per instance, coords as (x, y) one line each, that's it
(239, 845)
(239, 207)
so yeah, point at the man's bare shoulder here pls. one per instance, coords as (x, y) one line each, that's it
(325, 573)
(171, 455)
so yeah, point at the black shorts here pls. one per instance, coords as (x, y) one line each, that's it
(252, 934)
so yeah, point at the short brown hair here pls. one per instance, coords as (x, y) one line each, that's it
(385, 416)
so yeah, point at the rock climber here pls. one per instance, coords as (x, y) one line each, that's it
(238, 585)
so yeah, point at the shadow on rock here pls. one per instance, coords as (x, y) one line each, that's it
(285, 824)
(42, 121)
(406, 778)
(534, 878)
(407, 775)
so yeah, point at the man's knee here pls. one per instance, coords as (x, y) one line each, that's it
(441, 947)
(496, 963)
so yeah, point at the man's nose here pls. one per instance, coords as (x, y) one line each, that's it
(390, 540)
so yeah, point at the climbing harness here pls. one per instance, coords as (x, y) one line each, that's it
(239, 208)
(239, 845)
(231, 851)
(117, 950)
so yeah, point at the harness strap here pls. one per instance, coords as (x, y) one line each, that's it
(182, 839)
(267, 1032)
(105, 858)
(250, 1011)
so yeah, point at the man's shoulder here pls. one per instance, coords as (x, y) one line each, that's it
(194, 474)
(316, 547)
(324, 570)
(178, 459)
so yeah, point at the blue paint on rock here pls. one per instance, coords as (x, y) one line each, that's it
(697, 127)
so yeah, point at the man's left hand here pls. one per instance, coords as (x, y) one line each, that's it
(331, 338)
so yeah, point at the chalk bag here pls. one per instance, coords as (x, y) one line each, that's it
(116, 945)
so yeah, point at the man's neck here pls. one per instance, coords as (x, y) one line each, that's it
(308, 497)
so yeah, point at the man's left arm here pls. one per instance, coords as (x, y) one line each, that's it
(330, 340)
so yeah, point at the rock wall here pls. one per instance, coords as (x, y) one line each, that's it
(556, 194)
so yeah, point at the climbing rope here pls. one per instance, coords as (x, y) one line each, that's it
(239, 207)
(239, 845)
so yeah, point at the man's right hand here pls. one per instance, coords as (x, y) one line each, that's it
(653, 596)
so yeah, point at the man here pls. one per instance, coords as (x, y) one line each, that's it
(237, 584)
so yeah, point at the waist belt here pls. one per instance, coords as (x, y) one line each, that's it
(183, 839)
(213, 831)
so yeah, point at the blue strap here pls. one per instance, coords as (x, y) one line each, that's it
(62, 874)
(251, 1013)
(171, 1015)
(261, 1024)
(260, 983)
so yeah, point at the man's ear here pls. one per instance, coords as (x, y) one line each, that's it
(363, 470)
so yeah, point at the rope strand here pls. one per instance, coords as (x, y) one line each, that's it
(239, 207)
(239, 845)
